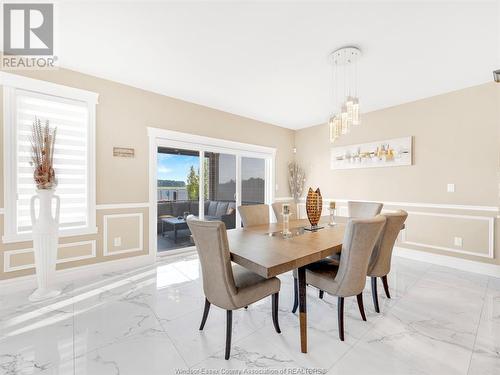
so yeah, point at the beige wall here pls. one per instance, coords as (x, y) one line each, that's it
(123, 114)
(456, 140)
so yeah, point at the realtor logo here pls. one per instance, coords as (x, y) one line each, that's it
(28, 29)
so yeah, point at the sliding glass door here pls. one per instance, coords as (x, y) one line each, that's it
(178, 195)
(253, 181)
(206, 181)
(220, 188)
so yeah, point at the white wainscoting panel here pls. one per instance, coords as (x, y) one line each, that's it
(107, 218)
(7, 267)
(491, 234)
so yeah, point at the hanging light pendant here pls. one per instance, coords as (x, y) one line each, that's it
(345, 91)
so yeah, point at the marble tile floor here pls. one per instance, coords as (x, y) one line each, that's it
(145, 321)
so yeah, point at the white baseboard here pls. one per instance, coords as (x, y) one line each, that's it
(448, 261)
(70, 274)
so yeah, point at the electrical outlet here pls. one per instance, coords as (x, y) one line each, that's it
(450, 188)
(117, 241)
(458, 241)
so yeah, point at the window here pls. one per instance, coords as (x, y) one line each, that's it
(72, 111)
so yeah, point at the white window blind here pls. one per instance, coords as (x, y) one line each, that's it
(71, 118)
(72, 112)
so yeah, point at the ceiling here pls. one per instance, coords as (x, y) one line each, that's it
(268, 60)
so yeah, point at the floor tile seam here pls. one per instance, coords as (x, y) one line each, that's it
(164, 330)
(478, 325)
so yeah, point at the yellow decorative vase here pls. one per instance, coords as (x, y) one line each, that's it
(314, 205)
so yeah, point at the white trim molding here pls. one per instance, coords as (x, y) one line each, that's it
(491, 234)
(105, 218)
(9, 253)
(6, 260)
(447, 261)
(208, 143)
(283, 199)
(420, 205)
(81, 257)
(31, 84)
(121, 206)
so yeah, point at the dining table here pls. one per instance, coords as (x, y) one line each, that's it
(267, 251)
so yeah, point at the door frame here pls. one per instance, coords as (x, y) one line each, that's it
(168, 138)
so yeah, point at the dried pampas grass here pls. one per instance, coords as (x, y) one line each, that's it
(42, 154)
(296, 180)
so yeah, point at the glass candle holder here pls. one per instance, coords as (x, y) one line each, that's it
(286, 224)
(332, 215)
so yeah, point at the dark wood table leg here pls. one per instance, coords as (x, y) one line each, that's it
(175, 233)
(302, 309)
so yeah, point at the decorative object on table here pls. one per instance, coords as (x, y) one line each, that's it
(314, 206)
(286, 219)
(46, 225)
(345, 112)
(185, 215)
(331, 208)
(387, 153)
(296, 180)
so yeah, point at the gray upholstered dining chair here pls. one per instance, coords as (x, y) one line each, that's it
(363, 209)
(254, 214)
(226, 285)
(278, 208)
(357, 210)
(380, 261)
(349, 277)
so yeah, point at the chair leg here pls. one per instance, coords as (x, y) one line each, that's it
(321, 292)
(295, 295)
(386, 286)
(205, 314)
(374, 294)
(340, 312)
(359, 297)
(275, 298)
(229, 328)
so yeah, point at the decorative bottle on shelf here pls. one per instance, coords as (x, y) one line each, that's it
(45, 240)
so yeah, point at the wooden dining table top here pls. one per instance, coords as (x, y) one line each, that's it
(255, 249)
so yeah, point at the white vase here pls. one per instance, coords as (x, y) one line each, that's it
(45, 240)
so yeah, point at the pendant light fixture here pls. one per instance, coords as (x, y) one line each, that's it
(345, 91)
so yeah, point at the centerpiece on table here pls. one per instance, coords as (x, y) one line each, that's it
(45, 225)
